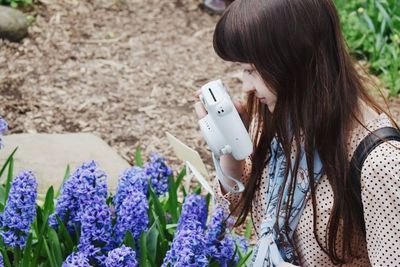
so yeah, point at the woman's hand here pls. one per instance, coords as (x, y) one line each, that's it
(229, 164)
(240, 107)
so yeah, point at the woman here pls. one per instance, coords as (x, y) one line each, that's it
(308, 109)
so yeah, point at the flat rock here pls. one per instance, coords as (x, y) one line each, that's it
(13, 24)
(48, 156)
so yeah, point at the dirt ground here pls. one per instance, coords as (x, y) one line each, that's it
(125, 70)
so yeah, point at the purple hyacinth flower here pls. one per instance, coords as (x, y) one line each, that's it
(76, 259)
(121, 257)
(95, 230)
(194, 208)
(242, 243)
(220, 243)
(1, 260)
(189, 244)
(158, 172)
(132, 215)
(20, 210)
(133, 179)
(216, 225)
(188, 247)
(3, 128)
(77, 193)
(223, 251)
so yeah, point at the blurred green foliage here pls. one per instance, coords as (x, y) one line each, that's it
(372, 31)
(16, 3)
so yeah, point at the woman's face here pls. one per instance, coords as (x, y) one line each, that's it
(252, 82)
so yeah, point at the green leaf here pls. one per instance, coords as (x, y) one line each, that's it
(55, 246)
(50, 254)
(138, 157)
(171, 226)
(157, 207)
(384, 13)
(17, 256)
(369, 22)
(197, 190)
(9, 179)
(172, 200)
(152, 238)
(66, 175)
(163, 244)
(180, 177)
(171, 231)
(244, 260)
(3, 250)
(38, 222)
(143, 262)
(3, 168)
(184, 192)
(129, 241)
(66, 237)
(26, 258)
(40, 229)
(214, 263)
(208, 198)
(249, 227)
(49, 201)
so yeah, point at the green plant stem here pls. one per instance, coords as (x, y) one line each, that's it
(17, 256)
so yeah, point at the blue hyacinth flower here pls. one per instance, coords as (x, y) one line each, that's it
(220, 242)
(95, 236)
(121, 257)
(78, 191)
(188, 247)
(3, 128)
(189, 244)
(242, 243)
(20, 210)
(133, 179)
(76, 259)
(132, 215)
(158, 172)
(193, 208)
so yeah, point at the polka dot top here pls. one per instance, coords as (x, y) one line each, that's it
(380, 192)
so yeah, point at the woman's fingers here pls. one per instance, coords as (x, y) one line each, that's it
(200, 110)
(197, 94)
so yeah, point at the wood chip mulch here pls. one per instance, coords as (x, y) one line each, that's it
(125, 70)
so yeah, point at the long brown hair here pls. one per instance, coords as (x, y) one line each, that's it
(298, 49)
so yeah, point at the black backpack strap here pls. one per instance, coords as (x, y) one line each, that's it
(369, 143)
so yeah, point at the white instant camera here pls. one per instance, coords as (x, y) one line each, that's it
(223, 128)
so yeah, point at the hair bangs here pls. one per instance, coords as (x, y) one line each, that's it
(230, 42)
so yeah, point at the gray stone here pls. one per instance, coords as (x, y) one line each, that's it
(13, 24)
(48, 155)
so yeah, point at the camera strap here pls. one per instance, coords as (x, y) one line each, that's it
(366, 146)
(222, 177)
